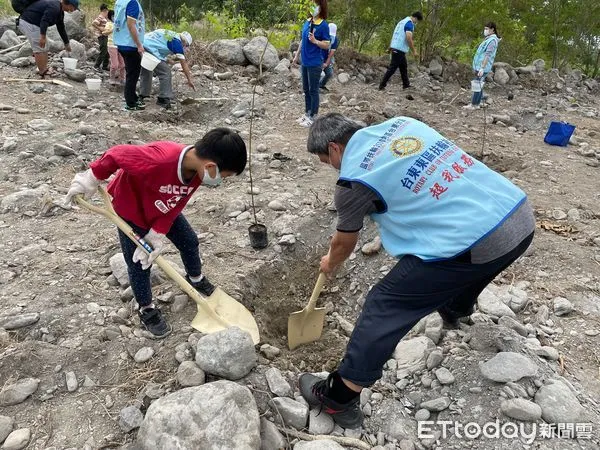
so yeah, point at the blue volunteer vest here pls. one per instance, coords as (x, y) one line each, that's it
(438, 200)
(399, 41)
(480, 54)
(156, 42)
(121, 35)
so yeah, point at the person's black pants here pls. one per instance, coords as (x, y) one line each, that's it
(412, 290)
(398, 61)
(102, 59)
(133, 67)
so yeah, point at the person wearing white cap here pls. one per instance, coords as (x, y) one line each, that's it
(328, 56)
(162, 43)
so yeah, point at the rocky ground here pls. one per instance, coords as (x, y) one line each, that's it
(76, 371)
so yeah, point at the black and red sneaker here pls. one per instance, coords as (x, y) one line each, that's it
(316, 391)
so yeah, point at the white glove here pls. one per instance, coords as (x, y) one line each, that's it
(157, 242)
(84, 183)
(480, 73)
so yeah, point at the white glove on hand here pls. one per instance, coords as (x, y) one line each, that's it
(157, 242)
(480, 73)
(84, 183)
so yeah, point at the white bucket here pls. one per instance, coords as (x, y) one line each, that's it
(476, 85)
(93, 84)
(149, 61)
(70, 63)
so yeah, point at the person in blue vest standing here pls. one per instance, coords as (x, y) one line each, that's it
(453, 223)
(128, 36)
(162, 43)
(402, 43)
(483, 61)
(328, 55)
(315, 39)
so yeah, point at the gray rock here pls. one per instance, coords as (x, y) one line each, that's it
(189, 374)
(437, 404)
(489, 303)
(321, 444)
(130, 418)
(521, 409)
(372, 247)
(63, 150)
(501, 76)
(221, 412)
(547, 352)
(18, 321)
(434, 327)
(222, 76)
(40, 125)
(436, 68)
(511, 323)
(343, 78)
(254, 49)
(22, 62)
(17, 440)
(6, 426)
(516, 299)
(293, 413)
(75, 74)
(7, 23)
(422, 414)
(16, 393)
(25, 51)
(434, 359)
(77, 51)
(562, 306)
(278, 385)
(270, 437)
(143, 355)
(71, 380)
(228, 353)
(269, 351)
(508, 366)
(444, 376)
(228, 51)
(276, 205)
(539, 65)
(10, 143)
(320, 423)
(283, 67)
(9, 39)
(411, 354)
(559, 404)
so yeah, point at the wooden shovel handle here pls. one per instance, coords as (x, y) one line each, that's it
(109, 212)
(316, 291)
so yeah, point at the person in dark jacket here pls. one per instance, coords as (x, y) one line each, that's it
(34, 23)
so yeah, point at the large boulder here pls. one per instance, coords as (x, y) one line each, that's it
(220, 415)
(559, 404)
(501, 76)
(74, 24)
(23, 200)
(9, 39)
(77, 51)
(539, 65)
(254, 50)
(228, 51)
(436, 68)
(7, 23)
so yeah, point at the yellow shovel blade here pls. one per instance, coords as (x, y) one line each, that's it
(232, 311)
(305, 327)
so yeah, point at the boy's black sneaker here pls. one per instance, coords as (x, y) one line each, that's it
(203, 286)
(153, 321)
(142, 99)
(136, 107)
(451, 318)
(315, 391)
(164, 102)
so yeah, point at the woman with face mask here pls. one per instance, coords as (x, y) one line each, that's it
(484, 60)
(315, 39)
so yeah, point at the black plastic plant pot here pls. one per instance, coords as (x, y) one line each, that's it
(258, 236)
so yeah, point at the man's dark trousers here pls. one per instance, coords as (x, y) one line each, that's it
(133, 67)
(398, 61)
(412, 290)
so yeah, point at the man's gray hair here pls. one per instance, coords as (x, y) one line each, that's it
(333, 127)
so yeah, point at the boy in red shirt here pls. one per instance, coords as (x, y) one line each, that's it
(153, 183)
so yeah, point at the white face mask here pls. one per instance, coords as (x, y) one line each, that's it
(207, 180)
(316, 11)
(486, 32)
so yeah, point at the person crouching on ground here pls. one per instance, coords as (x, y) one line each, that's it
(453, 223)
(162, 43)
(153, 183)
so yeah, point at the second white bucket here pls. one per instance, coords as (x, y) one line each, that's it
(149, 61)
(93, 84)
(70, 63)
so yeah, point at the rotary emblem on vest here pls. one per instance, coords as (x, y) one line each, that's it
(406, 146)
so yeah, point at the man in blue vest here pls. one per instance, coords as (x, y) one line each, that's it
(402, 43)
(162, 43)
(453, 223)
(128, 36)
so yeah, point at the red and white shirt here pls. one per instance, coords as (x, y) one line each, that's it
(148, 189)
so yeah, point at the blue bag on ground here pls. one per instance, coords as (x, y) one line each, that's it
(559, 133)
